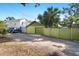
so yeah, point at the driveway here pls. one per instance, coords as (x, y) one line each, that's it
(72, 47)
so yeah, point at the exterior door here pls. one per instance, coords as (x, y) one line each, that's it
(39, 30)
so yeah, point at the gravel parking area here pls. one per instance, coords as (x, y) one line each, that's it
(72, 47)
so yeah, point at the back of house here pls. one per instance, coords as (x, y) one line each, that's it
(18, 24)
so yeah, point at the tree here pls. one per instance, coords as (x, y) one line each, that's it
(10, 18)
(72, 20)
(2, 24)
(64, 23)
(50, 18)
(72, 12)
(73, 9)
(40, 17)
(36, 4)
(68, 22)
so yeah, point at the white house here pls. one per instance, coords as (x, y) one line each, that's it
(18, 23)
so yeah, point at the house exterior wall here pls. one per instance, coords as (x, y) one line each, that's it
(22, 23)
(13, 24)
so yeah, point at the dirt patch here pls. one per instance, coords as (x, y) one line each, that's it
(9, 47)
(29, 49)
(5, 39)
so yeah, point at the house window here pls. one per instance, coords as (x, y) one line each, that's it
(22, 23)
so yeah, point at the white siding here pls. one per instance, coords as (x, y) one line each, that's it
(17, 24)
(23, 23)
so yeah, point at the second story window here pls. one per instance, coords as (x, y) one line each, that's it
(22, 23)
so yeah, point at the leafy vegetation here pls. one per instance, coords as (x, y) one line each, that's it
(3, 29)
(50, 18)
(72, 14)
(2, 24)
(10, 18)
(68, 22)
(73, 9)
(35, 5)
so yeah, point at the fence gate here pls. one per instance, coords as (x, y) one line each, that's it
(39, 30)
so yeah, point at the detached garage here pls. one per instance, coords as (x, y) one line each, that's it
(35, 28)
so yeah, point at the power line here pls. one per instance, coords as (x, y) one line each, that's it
(20, 12)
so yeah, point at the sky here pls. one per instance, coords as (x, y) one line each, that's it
(29, 11)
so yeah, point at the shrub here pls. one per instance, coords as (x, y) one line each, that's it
(3, 31)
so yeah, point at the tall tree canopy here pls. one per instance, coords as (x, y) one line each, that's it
(73, 9)
(10, 18)
(68, 22)
(72, 12)
(36, 4)
(50, 17)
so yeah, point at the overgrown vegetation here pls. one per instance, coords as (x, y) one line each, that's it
(72, 14)
(3, 28)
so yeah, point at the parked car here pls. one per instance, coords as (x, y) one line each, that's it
(14, 30)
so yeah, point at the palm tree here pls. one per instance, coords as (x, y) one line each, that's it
(50, 17)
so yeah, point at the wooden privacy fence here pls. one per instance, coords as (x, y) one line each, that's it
(64, 33)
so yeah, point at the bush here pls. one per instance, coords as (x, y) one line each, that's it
(3, 31)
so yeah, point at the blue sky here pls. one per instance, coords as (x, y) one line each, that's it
(29, 11)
